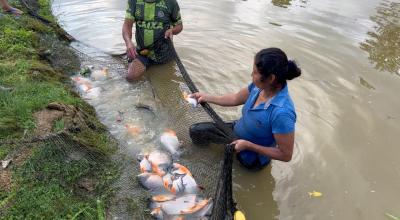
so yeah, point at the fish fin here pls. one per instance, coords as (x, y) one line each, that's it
(165, 184)
(196, 207)
(185, 95)
(173, 190)
(170, 131)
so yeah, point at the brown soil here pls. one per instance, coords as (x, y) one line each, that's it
(54, 111)
(22, 156)
(87, 184)
(6, 175)
(45, 120)
(5, 180)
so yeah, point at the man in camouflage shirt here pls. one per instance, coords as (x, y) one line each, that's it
(156, 23)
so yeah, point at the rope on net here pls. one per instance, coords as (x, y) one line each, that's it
(224, 205)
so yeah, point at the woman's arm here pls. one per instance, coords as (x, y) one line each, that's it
(232, 99)
(283, 151)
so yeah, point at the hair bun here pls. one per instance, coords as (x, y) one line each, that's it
(293, 70)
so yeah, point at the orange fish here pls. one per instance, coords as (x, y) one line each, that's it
(170, 141)
(196, 207)
(170, 131)
(181, 217)
(185, 95)
(157, 213)
(180, 169)
(189, 99)
(145, 165)
(157, 170)
(133, 130)
(99, 74)
(163, 198)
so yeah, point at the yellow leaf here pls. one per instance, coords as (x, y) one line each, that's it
(315, 194)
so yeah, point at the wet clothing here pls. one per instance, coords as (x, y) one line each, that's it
(146, 61)
(153, 19)
(257, 125)
(204, 133)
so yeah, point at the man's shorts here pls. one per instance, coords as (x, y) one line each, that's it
(146, 61)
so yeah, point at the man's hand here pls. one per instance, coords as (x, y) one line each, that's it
(169, 34)
(131, 51)
(241, 145)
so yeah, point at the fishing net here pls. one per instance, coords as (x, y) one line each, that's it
(105, 169)
(63, 160)
(211, 165)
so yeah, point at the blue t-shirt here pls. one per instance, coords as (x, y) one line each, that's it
(259, 123)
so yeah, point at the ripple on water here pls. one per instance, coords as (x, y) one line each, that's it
(332, 118)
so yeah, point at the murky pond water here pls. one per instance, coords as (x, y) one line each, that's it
(347, 136)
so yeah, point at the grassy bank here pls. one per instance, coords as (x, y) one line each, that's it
(47, 180)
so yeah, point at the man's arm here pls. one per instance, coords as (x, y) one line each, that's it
(177, 29)
(127, 35)
(174, 31)
(176, 20)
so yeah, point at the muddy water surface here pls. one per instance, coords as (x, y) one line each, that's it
(347, 134)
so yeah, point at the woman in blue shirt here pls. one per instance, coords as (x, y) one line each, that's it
(266, 129)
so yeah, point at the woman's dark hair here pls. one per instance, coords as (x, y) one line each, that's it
(274, 61)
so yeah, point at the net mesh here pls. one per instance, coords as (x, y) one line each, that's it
(113, 178)
(212, 165)
(65, 160)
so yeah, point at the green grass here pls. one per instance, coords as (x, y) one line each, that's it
(27, 97)
(59, 125)
(45, 10)
(46, 185)
(34, 82)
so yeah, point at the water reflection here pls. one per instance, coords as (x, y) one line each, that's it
(383, 45)
(287, 3)
(345, 109)
(281, 3)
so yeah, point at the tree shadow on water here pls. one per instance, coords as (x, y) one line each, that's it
(281, 3)
(383, 44)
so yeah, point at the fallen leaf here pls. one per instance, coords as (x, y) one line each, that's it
(315, 194)
(392, 216)
(5, 163)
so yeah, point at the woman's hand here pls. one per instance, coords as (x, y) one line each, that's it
(241, 145)
(200, 97)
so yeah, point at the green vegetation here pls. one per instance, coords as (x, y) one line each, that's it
(32, 82)
(57, 179)
(45, 10)
(59, 125)
(49, 185)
